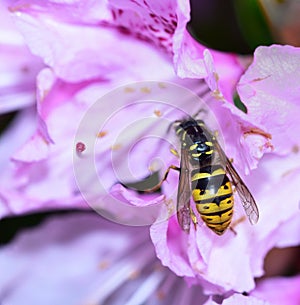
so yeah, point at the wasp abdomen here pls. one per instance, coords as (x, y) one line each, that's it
(212, 193)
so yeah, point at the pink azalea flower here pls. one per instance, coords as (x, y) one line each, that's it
(87, 56)
(210, 258)
(63, 90)
(87, 260)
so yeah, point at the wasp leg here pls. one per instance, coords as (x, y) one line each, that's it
(233, 230)
(174, 152)
(158, 186)
(235, 223)
(194, 218)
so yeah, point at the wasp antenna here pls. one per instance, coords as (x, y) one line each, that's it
(173, 123)
(198, 112)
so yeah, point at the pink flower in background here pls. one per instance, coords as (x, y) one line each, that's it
(87, 260)
(105, 271)
(90, 48)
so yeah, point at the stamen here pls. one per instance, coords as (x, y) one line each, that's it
(116, 147)
(102, 134)
(162, 85)
(129, 90)
(145, 90)
(258, 131)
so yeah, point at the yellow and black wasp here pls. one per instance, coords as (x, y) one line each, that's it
(204, 175)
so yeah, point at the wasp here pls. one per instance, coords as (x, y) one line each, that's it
(207, 175)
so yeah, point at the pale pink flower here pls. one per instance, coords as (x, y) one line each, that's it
(42, 175)
(88, 55)
(87, 260)
(232, 262)
(80, 258)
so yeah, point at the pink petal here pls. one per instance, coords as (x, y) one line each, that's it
(35, 149)
(149, 20)
(238, 299)
(188, 56)
(89, 11)
(245, 300)
(166, 237)
(99, 246)
(279, 291)
(18, 67)
(117, 266)
(270, 91)
(76, 59)
(246, 141)
(213, 260)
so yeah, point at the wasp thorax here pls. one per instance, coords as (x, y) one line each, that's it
(200, 147)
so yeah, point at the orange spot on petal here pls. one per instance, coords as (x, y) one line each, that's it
(102, 134)
(129, 90)
(116, 147)
(145, 90)
(158, 113)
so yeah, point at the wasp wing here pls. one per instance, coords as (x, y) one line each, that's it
(246, 197)
(184, 192)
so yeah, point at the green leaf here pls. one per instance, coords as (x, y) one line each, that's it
(239, 104)
(253, 23)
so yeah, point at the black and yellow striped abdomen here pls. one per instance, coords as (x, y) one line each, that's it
(212, 193)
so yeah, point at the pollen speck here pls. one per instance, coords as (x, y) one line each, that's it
(104, 265)
(216, 76)
(134, 274)
(162, 85)
(145, 90)
(218, 95)
(160, 295)
(158, 113)
(129, 90)
(102, 134)
(295, 149)
(80, 147)
(43, 95)
(116, 147)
